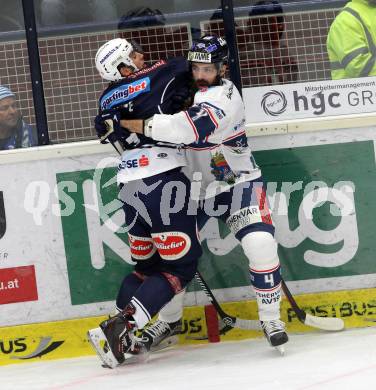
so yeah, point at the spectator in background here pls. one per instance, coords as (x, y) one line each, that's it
(266, 55)
(14, 132)
(351, 41)
(141, 17)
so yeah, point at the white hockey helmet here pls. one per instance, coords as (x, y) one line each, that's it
(111, 55)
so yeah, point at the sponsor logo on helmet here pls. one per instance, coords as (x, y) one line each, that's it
(108, 54)
(141, 247)
(125, 92)
(221, 41)
(172, 245)
(211, 48)
(195, 56)
(162, 155)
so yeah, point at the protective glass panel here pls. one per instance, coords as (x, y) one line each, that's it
(17, 116)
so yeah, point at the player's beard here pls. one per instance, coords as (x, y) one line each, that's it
(200, 83)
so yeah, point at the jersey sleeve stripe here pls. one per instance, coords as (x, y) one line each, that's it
(192, 124)
(211, 116)
(234, 136)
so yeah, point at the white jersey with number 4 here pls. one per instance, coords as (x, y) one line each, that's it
(213, 129)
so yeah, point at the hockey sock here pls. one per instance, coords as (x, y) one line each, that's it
(128, 287)
(150, 297)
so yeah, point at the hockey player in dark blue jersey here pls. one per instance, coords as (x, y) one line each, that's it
(162, 235)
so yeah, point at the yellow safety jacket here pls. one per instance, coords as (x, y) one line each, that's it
(351, 42)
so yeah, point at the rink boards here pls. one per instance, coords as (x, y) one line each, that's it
(65, 339)
(63, 252)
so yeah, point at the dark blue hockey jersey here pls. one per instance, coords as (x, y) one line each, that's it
(139, 96)
(148, 91)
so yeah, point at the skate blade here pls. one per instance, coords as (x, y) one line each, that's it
(97, 339)
(169, 342)
(139, 358)
(280, 349)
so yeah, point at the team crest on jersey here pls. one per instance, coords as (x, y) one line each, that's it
(172, 245)
(142, 248)
(219, 113)
(124, 92)
(221, 170)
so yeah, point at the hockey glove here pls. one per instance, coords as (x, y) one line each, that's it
(104, 132)
(181, 99)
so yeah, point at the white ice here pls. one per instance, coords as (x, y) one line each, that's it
(344, 360)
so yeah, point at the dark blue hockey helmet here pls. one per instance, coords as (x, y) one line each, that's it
(209, 49)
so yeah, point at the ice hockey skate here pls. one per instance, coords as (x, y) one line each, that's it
(161, 335)
(274, 331)
(115, 341)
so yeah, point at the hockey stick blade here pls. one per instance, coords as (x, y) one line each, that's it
(324, 323)
(230, 321)
(331, 324)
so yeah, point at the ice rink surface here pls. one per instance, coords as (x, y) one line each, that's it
(322, 361)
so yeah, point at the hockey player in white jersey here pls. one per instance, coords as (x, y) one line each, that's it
(221, 163)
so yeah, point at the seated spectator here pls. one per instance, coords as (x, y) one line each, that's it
(14, 132)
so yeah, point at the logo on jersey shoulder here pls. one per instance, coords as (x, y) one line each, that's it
(141, 162)
(124, 93)
(172, 245)
(230, 92)
(219, 113)
(158, 64)
(142, 248)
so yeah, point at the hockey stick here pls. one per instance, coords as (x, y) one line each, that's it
(230, 321)
(324, 323)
